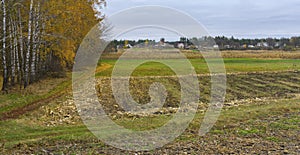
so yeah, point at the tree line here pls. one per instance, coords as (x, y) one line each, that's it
(225, 43)
(39, 38)
(220, 42)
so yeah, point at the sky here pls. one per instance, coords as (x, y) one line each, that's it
(238, 18)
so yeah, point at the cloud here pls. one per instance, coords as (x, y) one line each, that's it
(253, 18)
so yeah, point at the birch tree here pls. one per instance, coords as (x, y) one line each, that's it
(21, 43)
(39, 38)
(15, 51)
(27, 56)
(12, 52)
(35, 41)
(4, 63)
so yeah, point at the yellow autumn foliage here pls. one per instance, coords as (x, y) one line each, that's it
(67, 24)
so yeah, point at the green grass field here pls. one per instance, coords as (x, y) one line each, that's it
(261, 113)
(232, 65)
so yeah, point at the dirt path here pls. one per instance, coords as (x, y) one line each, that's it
(30, 107)
(16, 113)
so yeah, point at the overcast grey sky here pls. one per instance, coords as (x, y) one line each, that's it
(239, 18)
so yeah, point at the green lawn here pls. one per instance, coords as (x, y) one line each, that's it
(232, 65)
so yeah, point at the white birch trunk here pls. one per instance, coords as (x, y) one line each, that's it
(36, 33)
(12, 52)
(27, 56)
(21, 52)
(4, 63)
(16, 50)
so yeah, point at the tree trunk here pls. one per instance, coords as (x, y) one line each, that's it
(12, 53)
(4, 63)
(36, 42)
(21, 51)
(27, 56)
(16, 51)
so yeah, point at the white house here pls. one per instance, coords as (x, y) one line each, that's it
(227, 46)
(216, 46)
(251, 46)
(263, 44)
(128, 46)
(181, 45)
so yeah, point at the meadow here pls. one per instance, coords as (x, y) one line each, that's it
(232, 65)
(260, 114)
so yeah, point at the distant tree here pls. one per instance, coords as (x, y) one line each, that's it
(271, 42)
(111, 47)
(162, 40)
(295, 41)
